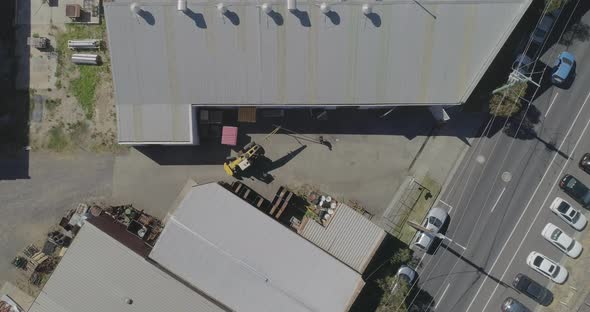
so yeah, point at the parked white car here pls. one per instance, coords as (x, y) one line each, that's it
(569, 214)
(434, 221)
(561, 240)
(547, 267)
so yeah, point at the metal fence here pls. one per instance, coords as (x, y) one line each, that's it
(394, 222)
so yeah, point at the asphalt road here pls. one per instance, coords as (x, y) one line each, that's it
(498, 217)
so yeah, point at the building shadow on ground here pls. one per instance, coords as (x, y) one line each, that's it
(14, 72)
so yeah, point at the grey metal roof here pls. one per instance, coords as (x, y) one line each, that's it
(403, 54)
(247, 260)
(98, 273)
(349, 236)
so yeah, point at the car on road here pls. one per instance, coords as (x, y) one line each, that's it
(513, 305)
(523, 64)
(547, 267)
(563, 68)
(575, 189)
(544, 27)
(569, 214)
(434, 221)
(585, 163)
(405, 275)
(529, 287)
(561, 240)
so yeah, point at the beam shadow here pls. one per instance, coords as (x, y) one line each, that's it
(475, 266)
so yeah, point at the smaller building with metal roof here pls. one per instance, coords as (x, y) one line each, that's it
(100, 274)
(350, 237)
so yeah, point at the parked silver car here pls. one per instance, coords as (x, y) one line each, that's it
(434, 221)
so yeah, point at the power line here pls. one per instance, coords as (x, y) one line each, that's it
(487, 128)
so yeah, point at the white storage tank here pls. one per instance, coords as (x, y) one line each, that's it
(91, 59)
(84, 44)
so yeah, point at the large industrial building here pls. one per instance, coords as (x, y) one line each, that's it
(170, 58)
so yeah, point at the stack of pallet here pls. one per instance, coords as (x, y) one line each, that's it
(30, 259)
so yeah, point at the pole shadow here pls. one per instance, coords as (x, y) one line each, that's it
(147, 17)
(198, 18)
(475, 266)
(374, 18)
(232, 17)
(276, 17)
(303, 17)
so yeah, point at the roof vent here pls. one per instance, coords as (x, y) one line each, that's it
(135, 8)
(181, 5)
(325, 8)
(292, 5)
(222, 8)
(266, 8)
(367, 9)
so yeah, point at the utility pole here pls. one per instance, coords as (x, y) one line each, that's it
(420, 228)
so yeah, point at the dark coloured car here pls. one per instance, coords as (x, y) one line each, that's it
(576, 190)
(585, 163)
(512, 305)
(532, 289)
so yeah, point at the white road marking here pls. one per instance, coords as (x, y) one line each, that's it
(440, 200)
(498, 200)
(460, 245)
(441, 296)
(529, 203)
(553, 101)
(542, 205)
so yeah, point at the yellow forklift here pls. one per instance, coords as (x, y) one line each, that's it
(246, 156)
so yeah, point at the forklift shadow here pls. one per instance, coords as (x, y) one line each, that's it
(261, 170)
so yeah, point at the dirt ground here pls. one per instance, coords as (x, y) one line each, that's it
(60, 123)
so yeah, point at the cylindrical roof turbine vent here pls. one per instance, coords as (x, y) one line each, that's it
(135, 8)
(181, 5)
(325, 8)
(292, 5)
(266, 8)
(367, 9)
(222, 8)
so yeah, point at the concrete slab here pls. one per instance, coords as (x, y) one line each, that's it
(31, 206)
(20, 297)
(366, 168)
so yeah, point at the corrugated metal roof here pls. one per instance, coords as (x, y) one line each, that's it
(402, 54)
(247, 260)
(349, 236)
(98, 273)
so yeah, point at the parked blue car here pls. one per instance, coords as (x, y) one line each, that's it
(563, 68)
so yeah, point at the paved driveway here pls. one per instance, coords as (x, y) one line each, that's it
(31, 206)
(367, 167)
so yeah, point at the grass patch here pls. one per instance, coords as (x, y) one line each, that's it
(83, 79)
(421, 208)
(57, 139)
(84, 88)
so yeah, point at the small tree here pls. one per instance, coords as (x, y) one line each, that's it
(393, 301)
(507, 102)
(554, 4)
